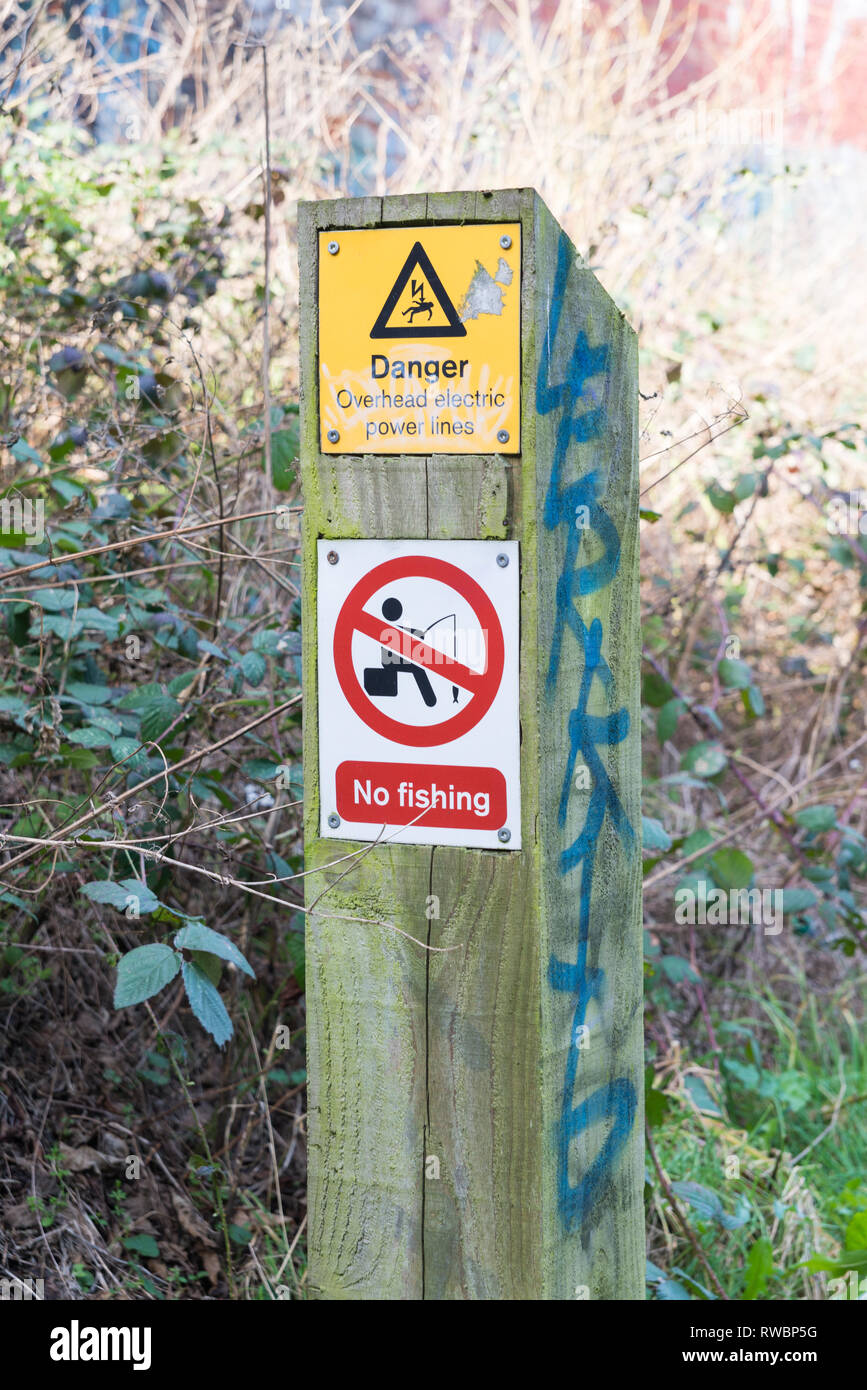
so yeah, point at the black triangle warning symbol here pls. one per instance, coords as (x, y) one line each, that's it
(426, 293)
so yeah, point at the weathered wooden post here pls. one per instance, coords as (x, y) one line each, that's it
(469, 393)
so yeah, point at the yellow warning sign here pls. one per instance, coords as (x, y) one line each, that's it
(420, 340)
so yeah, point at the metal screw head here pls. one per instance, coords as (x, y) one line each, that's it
(333, 436)
(502, 436)
(502, 561)
(505, 242)
(504, 836)
(332, 557)
(333, 820)
(333, 248)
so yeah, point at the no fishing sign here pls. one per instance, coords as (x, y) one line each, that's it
(417, 651)
(420, 340)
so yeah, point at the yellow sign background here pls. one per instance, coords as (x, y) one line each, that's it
(456, 393)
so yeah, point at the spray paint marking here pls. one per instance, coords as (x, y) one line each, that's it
(582, 418)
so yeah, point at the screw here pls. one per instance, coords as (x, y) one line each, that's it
(332, 557)
(502, 561)
(502, 436)
(505, 242)
(333, 436)
(504, 836)
(333, 820)
(333, 248)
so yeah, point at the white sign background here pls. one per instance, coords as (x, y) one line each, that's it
(449, 624)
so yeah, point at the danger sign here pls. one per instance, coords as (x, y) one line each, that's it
(419, 339)
(418, 691)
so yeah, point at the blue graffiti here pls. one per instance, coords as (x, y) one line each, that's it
(582, 419)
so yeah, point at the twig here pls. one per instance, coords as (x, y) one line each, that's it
(681, 1219)
(157, 777)
(153, 536)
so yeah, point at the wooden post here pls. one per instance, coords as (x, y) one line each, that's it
(476, 1116)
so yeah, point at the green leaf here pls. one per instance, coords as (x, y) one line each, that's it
(792, 1089)
(142, 696)
(209, 965)
(745, 485)
(753, 701)
(664, 1287)
(697, 840)
(708, 1204)
(821, 1264)
(284, 451)
(142, 972)
(856, 1232)
(103, 890)
(818, 873)
(261, 769)
(699, 1092)
(254, 667)
(143, 1245)
(94, 620)
(666, 720)
(655, 691)
(656, 1103)
(60, 626)
(711, 715)
(198, 937)
(125, 748)
(136, 888)
(817, 818)
(720, 498)
(705, 759)
(206, 1004)
(669, 1290)
(701, 1199)
(647, 515)
(677, 969)
(736, 675)
(273, 641)
(89, 737)
(731, 868)
(744, 1073)
(100, 720)
(241, 1235)
(759, 1268)
(653, 834)
(22, 452)
(156, 715)
(15, 901)
(211, 648)
(54, 600)
(797, 900)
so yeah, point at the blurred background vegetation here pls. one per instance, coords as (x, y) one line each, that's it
(149, 657)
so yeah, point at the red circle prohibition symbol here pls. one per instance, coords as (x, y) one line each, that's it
(483, 685)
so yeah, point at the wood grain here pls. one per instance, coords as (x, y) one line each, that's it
(462, 1056)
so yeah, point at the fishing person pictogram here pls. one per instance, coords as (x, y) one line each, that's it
(382, 681)
(371, 688)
